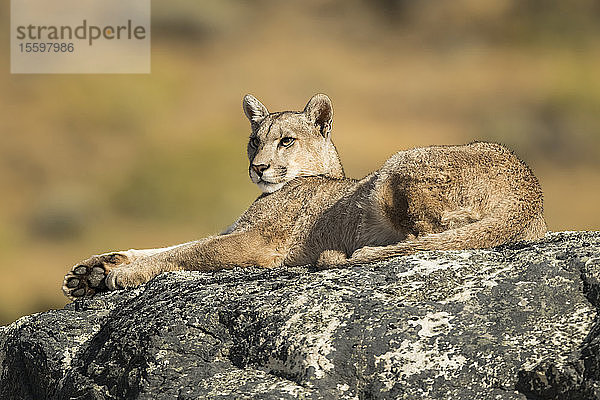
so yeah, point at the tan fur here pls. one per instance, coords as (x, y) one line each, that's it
(434, 198)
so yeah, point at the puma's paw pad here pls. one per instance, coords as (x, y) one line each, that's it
(88, 277)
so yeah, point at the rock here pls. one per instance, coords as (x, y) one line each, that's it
(514, 322)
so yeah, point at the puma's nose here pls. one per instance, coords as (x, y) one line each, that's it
(259, 168)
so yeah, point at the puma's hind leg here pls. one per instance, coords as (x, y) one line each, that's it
(415, 204)
(423, 211)
(401, 208)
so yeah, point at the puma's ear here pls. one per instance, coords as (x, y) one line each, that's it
(255, 110)
(320, 112)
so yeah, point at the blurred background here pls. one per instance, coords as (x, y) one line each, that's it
(92, 163)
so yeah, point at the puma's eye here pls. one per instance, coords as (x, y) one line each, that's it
(287, 141)
(254, 142)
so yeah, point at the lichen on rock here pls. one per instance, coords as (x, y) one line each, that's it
(513, 322)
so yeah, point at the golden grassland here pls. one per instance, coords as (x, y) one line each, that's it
(91, 163)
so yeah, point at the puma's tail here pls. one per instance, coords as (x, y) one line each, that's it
(488, 232)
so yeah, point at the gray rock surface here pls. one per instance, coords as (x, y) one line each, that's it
(515, 322)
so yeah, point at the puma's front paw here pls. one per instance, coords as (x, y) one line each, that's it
(88, 277)
(127, 276)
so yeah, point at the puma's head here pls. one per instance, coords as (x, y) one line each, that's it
(286, 145)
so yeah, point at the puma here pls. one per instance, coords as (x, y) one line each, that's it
(470, 196)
